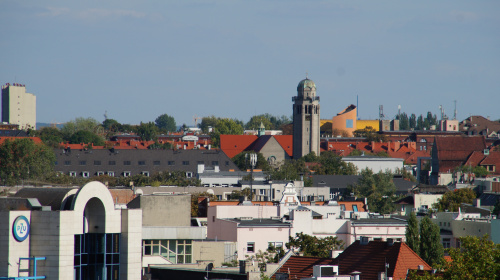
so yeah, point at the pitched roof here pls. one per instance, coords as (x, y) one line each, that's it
(370, 259)
(301, 267)
(232, 145)
(286, 142)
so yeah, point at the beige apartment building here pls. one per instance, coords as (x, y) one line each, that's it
(18, 106)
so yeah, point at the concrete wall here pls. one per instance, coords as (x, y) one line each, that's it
(11, 249)
(209, 251)
(425, 199)
(383, 231)
(131, 244)
(273, 148)
(261, 236)
(164, 210)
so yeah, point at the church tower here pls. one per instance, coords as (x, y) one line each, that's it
(305, 119)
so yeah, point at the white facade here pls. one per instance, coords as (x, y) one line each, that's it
(58, 235)
(376, 164)
(18, 106)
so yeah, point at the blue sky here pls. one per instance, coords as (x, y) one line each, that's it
(137, 60)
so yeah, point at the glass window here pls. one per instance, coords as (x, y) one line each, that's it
(251, 247)
(171, 162)
(355, 208)
(112, 162)
(142, 162)
(156, 162)
(97, 162)
(215, 162)
(83, 162)
(127, 162)
(185, 162)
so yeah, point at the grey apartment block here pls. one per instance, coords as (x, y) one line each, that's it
(124, 163)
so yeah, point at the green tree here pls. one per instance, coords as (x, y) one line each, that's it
(378, 188)
(431, 249)
(242, 161)
(311, 157)
(166, 123)
(147, 131)
(404, 123)
(23, 159)
(88, 124)
(111, 124)
(477, 258)
(290, 170)
(246, 192)
(480, 171)
(207, 123)
(451, 200)
(86, 137)
(51, 136)
(312, 246)
(370, 134)
(413, 234)
(412, 120)
(332, 164)
(225, 126)
(255, 121)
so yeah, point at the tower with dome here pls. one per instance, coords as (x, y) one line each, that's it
(306, 119)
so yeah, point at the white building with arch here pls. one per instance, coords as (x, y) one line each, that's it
(75, 233)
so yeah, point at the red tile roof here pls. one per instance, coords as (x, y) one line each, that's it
(302, 267)
(370, 259)
(232, 145)
(286, 142)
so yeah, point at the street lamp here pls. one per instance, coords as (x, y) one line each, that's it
(253, 162)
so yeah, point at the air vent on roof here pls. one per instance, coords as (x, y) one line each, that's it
(363, 240)
(486, 152)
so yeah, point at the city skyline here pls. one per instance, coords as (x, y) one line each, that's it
(138, 60)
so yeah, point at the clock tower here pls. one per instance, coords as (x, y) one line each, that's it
(305, 120)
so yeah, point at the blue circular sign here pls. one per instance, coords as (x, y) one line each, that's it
(21, 228)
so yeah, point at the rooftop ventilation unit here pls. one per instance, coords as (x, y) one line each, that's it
(325, 270)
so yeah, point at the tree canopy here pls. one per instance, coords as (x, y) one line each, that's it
(147, 131)
(88, 124)
(225, 126)
(451, 200)
(23, 159)
(378, 188)
(413, 234)
(331, 164)
(86, 137)
(312, 246)
(431, 250)
(477, 258)
(166, 123)
(242, 161)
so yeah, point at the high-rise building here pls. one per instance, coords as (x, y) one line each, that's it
(305, 120)
(18, 106)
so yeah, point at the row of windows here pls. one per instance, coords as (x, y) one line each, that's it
(176, 251)
(86, 174)
(140, 162)
(251, 246)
